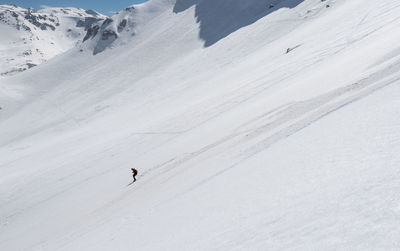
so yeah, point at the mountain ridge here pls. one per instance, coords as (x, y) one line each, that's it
(31, 37)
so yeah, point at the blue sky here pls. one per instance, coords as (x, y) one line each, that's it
(106, 7)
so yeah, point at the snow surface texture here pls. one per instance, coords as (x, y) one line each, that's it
(280, 132)
(29, 37)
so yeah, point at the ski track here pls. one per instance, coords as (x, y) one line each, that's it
(319, 108)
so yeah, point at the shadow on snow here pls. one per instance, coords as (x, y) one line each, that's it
(219, 18)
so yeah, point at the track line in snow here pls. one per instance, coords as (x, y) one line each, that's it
(343, 97)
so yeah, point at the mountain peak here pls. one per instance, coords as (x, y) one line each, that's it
(31, 37)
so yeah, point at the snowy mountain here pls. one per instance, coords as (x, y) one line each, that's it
(29, 37)
(111, 32)
(253, 126)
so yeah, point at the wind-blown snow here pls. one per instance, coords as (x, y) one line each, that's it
(239, 144)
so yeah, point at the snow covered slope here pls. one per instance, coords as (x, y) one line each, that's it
(29, 37)
(278, 130)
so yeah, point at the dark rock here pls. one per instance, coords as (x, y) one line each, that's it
(30, 65)
(106, 22)
(122, 25)
(27, 53)
(44, 26)
(107, 34)
(92, 32)
(130, 8)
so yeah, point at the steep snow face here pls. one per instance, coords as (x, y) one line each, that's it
(218, 19)
(283, 134)
(30, 37)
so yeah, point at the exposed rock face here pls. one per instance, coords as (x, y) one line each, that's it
(91, 32)
(122, 25)
(131, 8)
(107, 34)
(107, 22)
(41, 21)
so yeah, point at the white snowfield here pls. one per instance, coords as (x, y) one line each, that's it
(239, 145)
(29, 37)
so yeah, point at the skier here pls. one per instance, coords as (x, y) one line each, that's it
(134, 173)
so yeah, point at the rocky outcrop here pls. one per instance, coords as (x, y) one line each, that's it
(108, 34)
(122, 25)
(105, 34)
(91, 32)
(41, 21)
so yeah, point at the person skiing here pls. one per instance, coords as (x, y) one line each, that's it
(134, 173)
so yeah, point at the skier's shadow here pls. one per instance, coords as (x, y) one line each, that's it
(131, 183)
